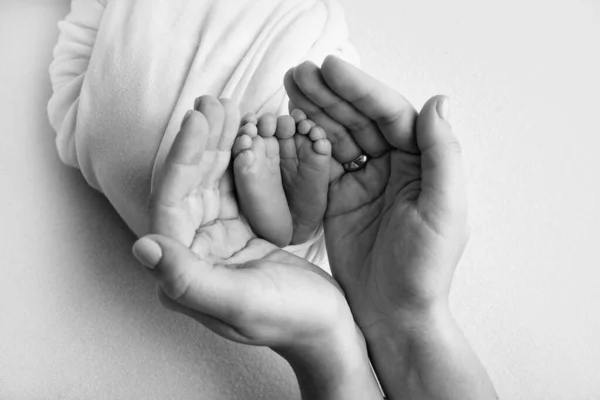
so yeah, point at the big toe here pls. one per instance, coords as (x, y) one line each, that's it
(267, 125)
(286, 127)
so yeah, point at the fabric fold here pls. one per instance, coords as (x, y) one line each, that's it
(126, 71)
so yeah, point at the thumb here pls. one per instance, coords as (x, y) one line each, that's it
(188, 279)
(442, 179)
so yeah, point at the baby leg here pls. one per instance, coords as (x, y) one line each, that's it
(258, 179)
(305, 163)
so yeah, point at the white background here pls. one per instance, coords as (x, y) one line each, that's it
(79, 319)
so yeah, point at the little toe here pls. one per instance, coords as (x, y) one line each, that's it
(317, 133)
(248, 129)
(305, 126)
(267, 124)
(243, 142)
(323, 147)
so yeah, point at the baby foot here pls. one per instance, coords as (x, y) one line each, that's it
(305, 156)
(258, 179)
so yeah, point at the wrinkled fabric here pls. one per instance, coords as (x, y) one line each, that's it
(126, 71)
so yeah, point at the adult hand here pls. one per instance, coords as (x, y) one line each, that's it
(396, 229)
(193, 200)
(241, 287)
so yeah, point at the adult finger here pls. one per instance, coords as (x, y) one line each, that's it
(179, 177)
(394, 115)
(213, 111)
(344, 147)
(363, 129)
(442, 180)
(230, 125)
(189, 280)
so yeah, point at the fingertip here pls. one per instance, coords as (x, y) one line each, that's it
(288, 79)
(249, 117)
(186, 117)
(148, 252)
(443, 108)
(298, 115)
(304, 73)
(330, 60)
(433, 128)
(207, 102)
(189, 143)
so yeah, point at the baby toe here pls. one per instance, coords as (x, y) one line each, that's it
(298, 115)
(267, 124)
(322, 146)
(242, 143)
(317, 133)
(248, 129)
(286, 127)
(305, 126)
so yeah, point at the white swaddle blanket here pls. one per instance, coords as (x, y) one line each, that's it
(126, 71)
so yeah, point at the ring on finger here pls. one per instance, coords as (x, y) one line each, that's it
(358, 163)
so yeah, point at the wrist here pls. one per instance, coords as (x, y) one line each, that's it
(334, 365)
(422, 353)
(410, 323)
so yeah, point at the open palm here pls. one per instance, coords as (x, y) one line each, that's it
(240, 286)
(393, 228)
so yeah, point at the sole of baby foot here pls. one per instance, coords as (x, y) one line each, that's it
(305, 158)
(258, 180)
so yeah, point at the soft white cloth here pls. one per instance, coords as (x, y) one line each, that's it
(126, 71)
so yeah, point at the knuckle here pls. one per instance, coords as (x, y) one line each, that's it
(359, 125)
(339, 136)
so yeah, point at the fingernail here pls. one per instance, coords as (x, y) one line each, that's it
(148, 252)
(187, 116)
(443, 108)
